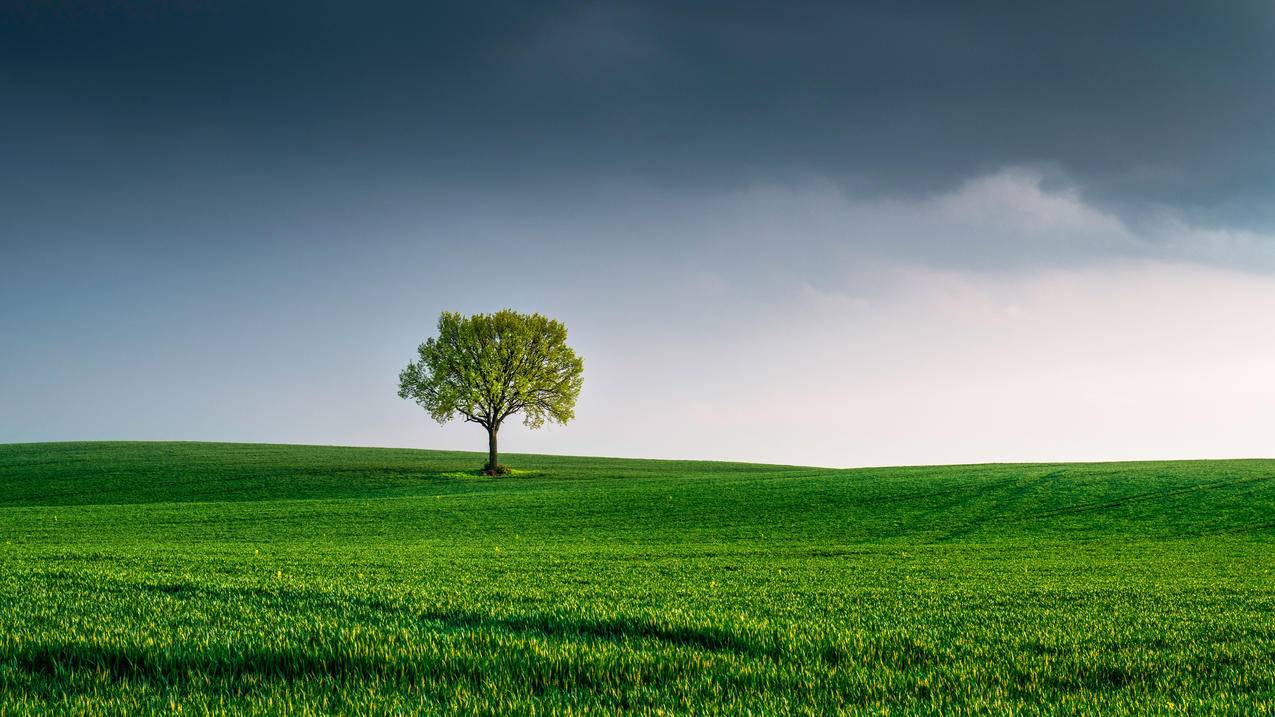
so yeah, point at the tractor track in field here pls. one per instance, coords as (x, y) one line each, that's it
(1147, 496)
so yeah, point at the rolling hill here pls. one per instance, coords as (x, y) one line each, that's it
(152, 577)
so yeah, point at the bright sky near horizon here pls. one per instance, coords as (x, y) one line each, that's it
(830, 234)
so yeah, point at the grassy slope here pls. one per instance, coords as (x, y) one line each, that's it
(140, 576)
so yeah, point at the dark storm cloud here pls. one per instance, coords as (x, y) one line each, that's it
(1136, 102)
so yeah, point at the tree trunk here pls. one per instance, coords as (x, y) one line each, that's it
(492, 459)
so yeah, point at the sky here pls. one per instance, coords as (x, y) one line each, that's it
(837, 234)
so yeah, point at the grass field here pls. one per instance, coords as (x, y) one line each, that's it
(166, 577)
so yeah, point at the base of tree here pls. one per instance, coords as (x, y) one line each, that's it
(498, 470)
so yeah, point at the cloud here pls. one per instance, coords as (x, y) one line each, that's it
(1140, 103)
(772, 237)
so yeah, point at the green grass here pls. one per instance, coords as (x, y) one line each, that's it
(153, 577)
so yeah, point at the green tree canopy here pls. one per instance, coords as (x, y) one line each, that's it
(489, 367)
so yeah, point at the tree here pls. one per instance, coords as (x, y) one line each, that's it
(488, 367)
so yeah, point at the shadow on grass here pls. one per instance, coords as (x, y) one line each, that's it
(636, 632)
(75, 667)
(617, 629)
(357, 608)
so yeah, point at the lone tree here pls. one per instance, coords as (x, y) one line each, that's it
(488, 367)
